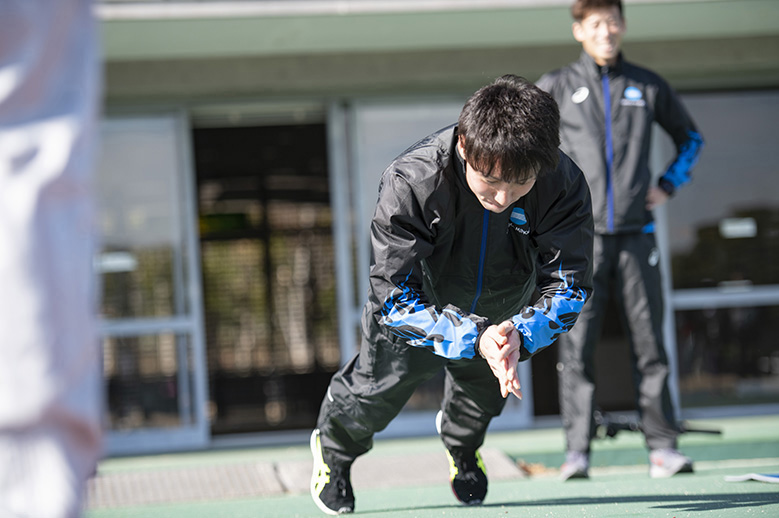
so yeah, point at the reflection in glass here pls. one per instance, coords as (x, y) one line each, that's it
(140, 225)
(145, 290)
(268, 284)
(724, 234)
(151, 341)
(724, 226)
(728, 356)
(142, 380)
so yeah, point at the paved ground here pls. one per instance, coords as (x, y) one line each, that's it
(409, 478)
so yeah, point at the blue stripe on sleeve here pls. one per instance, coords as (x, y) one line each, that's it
(541, 327)
(678, 172)
(447, 333)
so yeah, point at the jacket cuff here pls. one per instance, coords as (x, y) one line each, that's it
(478, 338)
(666, 186)
(524, 354)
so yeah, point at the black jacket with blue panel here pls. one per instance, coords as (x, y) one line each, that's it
(443, 268)
(606, 115)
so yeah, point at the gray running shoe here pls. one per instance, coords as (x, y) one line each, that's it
(577, 465)
(667, 462)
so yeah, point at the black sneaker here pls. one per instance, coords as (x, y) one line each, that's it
(468, 477)
(467, 473)
(331, 487)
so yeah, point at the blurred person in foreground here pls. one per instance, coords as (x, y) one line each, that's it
(50, 436)
(607, 107)
(469, 221)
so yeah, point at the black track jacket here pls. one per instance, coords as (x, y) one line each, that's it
(611, 140)
(443, 268)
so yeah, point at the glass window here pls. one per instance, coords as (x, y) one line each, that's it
(142, 240)
(152, 344)
(724, 226)
(724, 247)
(727, 356)
(384, 130)
(148, 379)
(268, 286)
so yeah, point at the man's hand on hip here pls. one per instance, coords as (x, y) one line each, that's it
(656, 197)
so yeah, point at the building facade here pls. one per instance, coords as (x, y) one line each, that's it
(241, 148)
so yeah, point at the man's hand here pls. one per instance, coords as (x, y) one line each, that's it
(500, 347)
(655, 197)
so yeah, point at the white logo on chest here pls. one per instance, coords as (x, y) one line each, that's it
(517, 220)
(580, 95)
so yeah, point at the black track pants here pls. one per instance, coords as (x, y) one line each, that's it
(628, 265)
(369, 391)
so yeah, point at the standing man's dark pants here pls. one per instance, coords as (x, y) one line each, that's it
(631, 261)
(368, 392)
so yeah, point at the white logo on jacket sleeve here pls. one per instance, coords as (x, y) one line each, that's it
(580, 95)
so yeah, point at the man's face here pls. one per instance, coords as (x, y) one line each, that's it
(600, 34)
(494, 194)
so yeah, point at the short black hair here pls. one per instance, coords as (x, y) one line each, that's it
(580, 8)
(511, 127)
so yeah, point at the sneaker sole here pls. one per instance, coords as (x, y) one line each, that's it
(469, 504)
(658, 472)
(576, 475)
(315, 451)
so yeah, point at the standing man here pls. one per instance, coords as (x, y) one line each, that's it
(469, 221)
(607, 107)
(50, 434)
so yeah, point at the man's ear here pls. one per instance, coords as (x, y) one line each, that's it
(461, 146)
(578, 31)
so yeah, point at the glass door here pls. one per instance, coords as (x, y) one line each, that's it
(723, 237)
(150, 308)
(265, 231)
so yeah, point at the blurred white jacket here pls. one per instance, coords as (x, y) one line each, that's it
(49, 352)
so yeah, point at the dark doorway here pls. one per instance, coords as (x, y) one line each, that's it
(268, 274)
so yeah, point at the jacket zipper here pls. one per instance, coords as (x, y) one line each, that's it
(484, 227)
(609, 150)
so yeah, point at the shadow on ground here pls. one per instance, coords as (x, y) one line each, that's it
(677, 503)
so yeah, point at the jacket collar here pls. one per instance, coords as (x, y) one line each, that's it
(595, 70)
(458, 163)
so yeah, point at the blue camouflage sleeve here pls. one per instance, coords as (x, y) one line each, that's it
(540, 325)
(448, 333)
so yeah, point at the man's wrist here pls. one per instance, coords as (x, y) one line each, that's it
(666, 186)
(476, 346)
